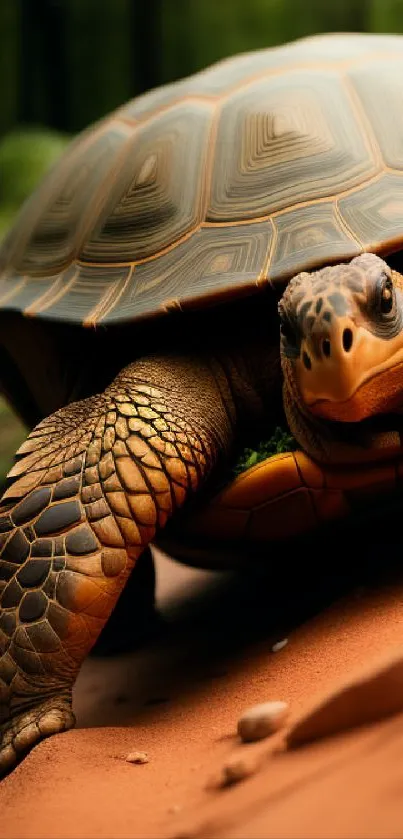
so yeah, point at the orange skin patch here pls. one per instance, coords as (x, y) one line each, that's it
(379, 394)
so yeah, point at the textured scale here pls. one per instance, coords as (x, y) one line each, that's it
(166, 202)
(89, 490)
(89, 525)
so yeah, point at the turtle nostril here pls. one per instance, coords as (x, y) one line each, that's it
(306, 360)
(326, 347)
(347, 340)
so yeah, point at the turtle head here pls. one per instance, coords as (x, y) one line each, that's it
(342, 358)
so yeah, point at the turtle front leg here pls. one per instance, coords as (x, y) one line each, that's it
(134, 619)
(90, 487)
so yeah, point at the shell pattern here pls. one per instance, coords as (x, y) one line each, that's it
(242, 175)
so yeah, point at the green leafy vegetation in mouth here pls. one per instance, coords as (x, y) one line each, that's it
(280, 441)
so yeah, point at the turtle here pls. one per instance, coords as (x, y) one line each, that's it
(215, 256)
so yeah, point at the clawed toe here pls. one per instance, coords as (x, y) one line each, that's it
(20, 733)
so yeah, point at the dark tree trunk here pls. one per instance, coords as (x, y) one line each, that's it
(146, 44)
(53, 27)
(29, 60)
(43, 92)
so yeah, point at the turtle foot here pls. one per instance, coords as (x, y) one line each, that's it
(20, 733)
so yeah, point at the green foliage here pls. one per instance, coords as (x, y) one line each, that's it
(386, 16)
(25, 156)
(7, 215)
(280, 441)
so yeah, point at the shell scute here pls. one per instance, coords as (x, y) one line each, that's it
(304, 142)
(158, 194)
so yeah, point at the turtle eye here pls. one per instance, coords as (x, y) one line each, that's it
(387, 298)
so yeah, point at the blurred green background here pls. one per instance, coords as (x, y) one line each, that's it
(65, 63)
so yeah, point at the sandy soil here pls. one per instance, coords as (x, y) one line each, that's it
(179, 699)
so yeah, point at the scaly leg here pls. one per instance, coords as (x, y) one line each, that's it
(134, 619)
(90, 487)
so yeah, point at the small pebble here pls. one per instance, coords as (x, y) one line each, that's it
(236, 770)
(137, 757)
(279, 645)
(262, 720)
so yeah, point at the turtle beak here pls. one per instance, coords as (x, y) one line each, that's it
(347, 373)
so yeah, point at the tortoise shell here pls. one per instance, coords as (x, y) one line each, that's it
(217, 185)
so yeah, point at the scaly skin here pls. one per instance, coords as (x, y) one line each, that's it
(90, 487)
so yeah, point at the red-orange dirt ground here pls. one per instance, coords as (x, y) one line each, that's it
(179, 699)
